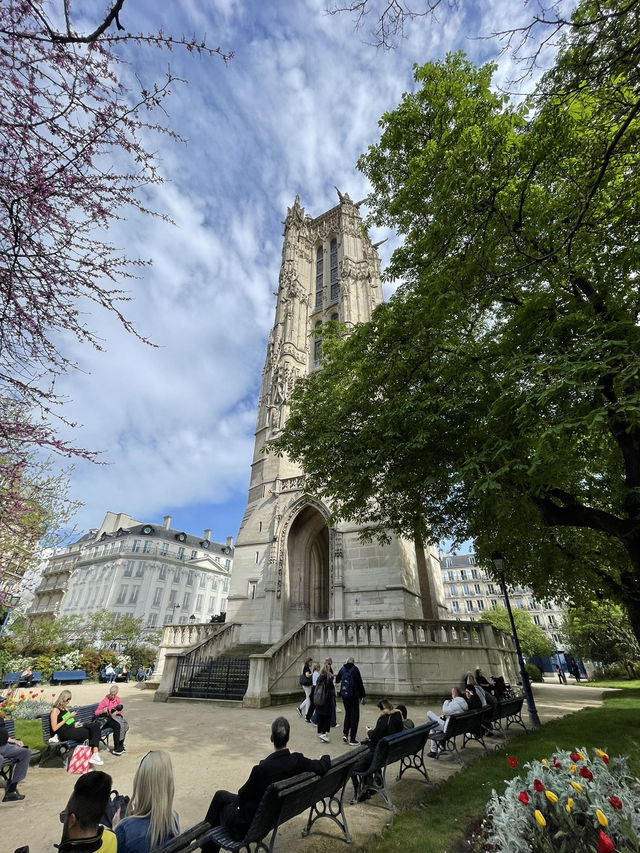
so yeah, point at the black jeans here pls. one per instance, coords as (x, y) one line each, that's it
(351, 717)
(223, 811)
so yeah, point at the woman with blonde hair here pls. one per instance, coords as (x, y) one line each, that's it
(150, 820)
(64, 727)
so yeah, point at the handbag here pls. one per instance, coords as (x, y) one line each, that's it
(117, 805)
(79, 761)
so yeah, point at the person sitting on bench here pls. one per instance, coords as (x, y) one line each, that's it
(64, 727)
(11, 748)
(82, 815)
(450, 707)
(109, 714)
(235, 811)
(389, 722)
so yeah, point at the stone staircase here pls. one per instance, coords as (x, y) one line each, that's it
(225, 677)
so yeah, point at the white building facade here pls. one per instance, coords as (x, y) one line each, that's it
(470, 591)
(138, 569)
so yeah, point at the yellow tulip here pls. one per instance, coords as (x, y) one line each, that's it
(545, 762)
(577, 787)
(600, 752)
(539, 817)
(572, 768)
(569, 805)
(551, 796)
(602, 818)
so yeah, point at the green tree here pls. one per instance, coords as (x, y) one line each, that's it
(496, 397)
(533, 640)
(600, 632)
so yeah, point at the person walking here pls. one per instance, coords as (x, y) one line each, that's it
(562, 678)
(352, 692)
(324, 697)
(306, 682)
(315, 674)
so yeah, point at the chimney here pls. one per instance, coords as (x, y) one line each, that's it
(229, 541)
(166, 522)
(207, 535)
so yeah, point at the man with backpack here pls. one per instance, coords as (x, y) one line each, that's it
(352, 692)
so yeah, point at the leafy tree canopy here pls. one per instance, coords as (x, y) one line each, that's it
(496, 397)
(600, 632)
(533, 640)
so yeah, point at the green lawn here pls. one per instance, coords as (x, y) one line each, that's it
(440, 824)
(30, 731)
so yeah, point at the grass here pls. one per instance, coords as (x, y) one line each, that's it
(440, 824)
(30, 732)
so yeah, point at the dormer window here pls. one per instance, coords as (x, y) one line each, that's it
(181, 537)
(147, 530)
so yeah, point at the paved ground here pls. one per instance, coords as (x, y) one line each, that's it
(215, 747)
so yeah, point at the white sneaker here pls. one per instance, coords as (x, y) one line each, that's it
(325, 738)
(54, 739)
(95, 759)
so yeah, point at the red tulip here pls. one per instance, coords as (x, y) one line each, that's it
(537, 784)
(605, 758)
(586, 773)
(557, 764)
(524, 798)
(575, 756)
(513, 762)
(605, 844)
(615, 802)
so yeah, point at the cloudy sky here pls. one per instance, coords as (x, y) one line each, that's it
(289, 114)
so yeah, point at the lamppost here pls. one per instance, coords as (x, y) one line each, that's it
(498, 561)
(173, 612)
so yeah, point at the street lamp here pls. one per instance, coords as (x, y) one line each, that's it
(498, 561)
(173, 612)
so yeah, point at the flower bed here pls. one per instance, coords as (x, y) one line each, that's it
(26, 704)
(569, 802)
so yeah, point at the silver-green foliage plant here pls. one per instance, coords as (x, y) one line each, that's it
(569, 802)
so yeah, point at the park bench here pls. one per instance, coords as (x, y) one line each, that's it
(102, 678)
(509, 710)
(69, 676)
(11, 678)
(468, 726)
(407, 747)
(322, 795)
(83, 714)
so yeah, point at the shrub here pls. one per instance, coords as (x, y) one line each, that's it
(89, 660)
(568, 802)
(533, 672)
(43, 664)
(69, 660)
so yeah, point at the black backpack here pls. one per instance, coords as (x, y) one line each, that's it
(346, 685)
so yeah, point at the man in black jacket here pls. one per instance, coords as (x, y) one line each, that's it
(235, 811)
(352, 693)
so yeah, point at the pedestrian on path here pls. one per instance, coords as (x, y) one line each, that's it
(352, 692)
(562, 678)
(306, 682)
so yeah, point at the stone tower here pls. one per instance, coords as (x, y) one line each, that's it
(289, 566)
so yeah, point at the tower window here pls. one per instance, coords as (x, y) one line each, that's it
(319, 276)
(333, 265)
(317, 344)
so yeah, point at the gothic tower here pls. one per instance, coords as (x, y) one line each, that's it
(289, 566)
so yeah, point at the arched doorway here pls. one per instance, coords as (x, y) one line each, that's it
(308, 563)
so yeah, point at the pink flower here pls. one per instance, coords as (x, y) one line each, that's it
(524, 797)
(537, 784)
(513, 762)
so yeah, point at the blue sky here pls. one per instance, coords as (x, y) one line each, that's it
(289, 114)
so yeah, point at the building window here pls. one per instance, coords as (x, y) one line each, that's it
(203, 581)
(455, 606)
(172, 597)
(133, 598)
(122, 594)
(319, 276)
(136, 545)
(181, 553)
(251, 591)
(257, 556)
(227, 564)
(225, 586)
(163, 573)
(194, 554)
(176, 575)
(140, 569)
(223, 605)
(190, 578)
(259, 527)
(552, 620)
(157, 598)
(452, 591)
(519, 603)
(214, 583)
(317, 346)
(493, 603)
(480, 604)
(333, 267)
(128, 569)
(491, 589)
(451, 576)
(199, 603)
(212, 603)
(463, 574)
(164, 549)
(469, 605)
(477, 589)
(186, 600)
(465, 589)
(151, 621)
(146, 549)
(448, 563)
(537, 620)
(472, 560)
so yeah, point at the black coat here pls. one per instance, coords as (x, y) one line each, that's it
(388, 724)
(279, 765)
(358, 691)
